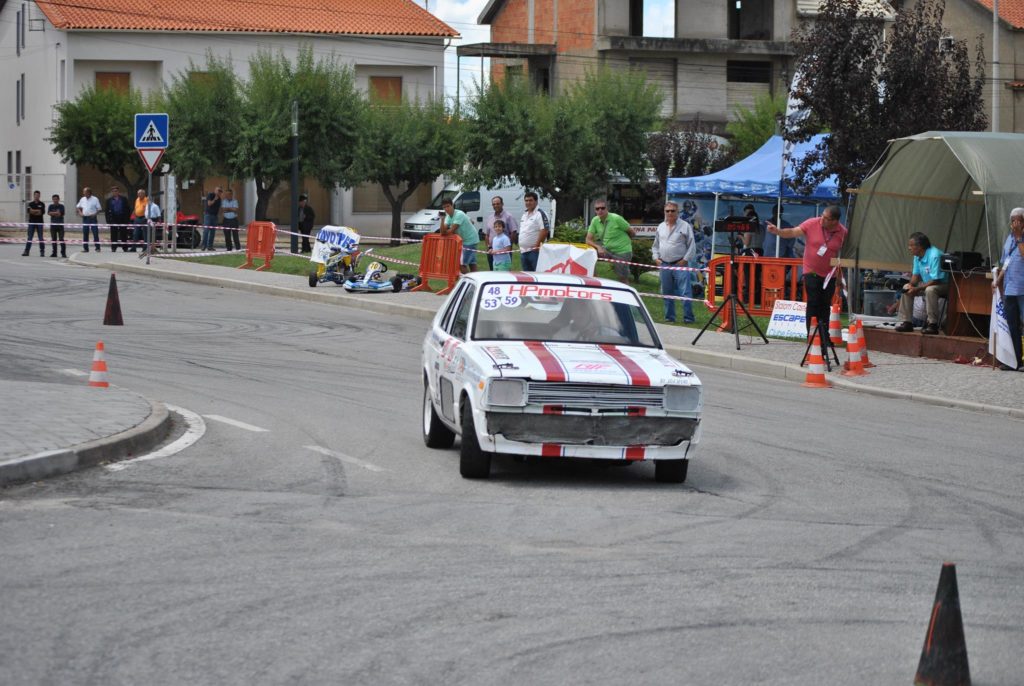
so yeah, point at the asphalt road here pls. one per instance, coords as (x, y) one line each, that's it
(333, 547)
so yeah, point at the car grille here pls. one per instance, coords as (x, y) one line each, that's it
(593, 395)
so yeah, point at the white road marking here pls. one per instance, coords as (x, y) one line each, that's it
(234, 422)
(344, 458)
(74, 372)
(194, 430)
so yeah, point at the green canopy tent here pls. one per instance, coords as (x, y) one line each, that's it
(957, 187)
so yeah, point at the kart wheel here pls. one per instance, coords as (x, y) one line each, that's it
(435, 433)
(396, 284)
(313, 278)
(670, 471)
(474, 462)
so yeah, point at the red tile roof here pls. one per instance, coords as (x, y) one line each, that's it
(360, 17)
(1010, 11)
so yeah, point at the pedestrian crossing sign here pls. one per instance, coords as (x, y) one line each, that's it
(151, 131)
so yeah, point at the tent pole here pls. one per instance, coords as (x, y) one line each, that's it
(714, 218)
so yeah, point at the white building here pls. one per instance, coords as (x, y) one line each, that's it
(52, 50)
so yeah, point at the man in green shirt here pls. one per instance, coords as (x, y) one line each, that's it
(612, 237)
(456, 222)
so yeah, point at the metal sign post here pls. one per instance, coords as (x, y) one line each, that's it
(151, 139)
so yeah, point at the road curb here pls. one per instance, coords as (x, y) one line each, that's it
(128, 443)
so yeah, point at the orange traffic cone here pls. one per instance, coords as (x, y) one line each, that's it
(862, 341)
(835, 327)
(944, 656)
(854, 366)
(815, 362)
(98, 375)
(112, 315)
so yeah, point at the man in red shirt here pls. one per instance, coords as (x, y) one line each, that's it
(824, 238)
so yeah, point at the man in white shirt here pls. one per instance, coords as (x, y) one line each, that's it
(87, 208)
(533, 231)
(674, 247)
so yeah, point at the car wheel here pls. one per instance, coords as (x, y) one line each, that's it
(670, 471)
(474, 463)
(396, 284)
(435, 433)
(313, 278)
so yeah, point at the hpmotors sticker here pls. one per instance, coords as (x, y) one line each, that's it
(497, 295)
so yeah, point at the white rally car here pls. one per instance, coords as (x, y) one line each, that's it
(551, 365)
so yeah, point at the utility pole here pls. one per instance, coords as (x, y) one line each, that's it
(295, 176)
(995, 65)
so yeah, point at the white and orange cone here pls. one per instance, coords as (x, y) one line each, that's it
(835, 326)
(854, 366)
(816, 363)
(98, 374)
(862, 341)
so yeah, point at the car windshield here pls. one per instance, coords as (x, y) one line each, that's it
(446, 194)
(562, 313)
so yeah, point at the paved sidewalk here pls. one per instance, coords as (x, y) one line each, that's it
(121, 423)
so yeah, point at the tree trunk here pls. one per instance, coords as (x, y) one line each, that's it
(396, 203)
(263, 196)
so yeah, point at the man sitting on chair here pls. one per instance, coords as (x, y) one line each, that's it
(927, 279)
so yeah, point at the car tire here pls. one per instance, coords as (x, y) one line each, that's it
(474, 462)
(435, 433)
(313, 278)
(670, 471)
(396, 284)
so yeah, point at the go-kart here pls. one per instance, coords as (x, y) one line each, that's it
(373, 280)
(339, 268)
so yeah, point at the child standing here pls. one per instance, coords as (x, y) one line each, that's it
(501, 248)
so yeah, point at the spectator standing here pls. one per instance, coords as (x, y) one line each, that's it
(534, 228)
(1010, 282)
(508, 221)
(612, 237)
(118, 214)
(753, 241)
(456, 222)
(824, 238)
(500, 250)
(674, 246)
(87, 208)
(56, 212)
(36, 212)
(230, 207)
(927, 279)
(141, 220)
(211, 210)
(306, 218)
(786, 247)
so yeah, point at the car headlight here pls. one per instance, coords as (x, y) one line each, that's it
(506, 392)
(683, 398)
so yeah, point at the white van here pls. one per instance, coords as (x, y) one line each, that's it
(475, 203)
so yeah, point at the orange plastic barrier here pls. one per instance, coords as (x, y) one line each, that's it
(440, 260)
(759, 282)
(259, 242)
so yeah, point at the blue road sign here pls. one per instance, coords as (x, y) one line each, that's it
(151, 131)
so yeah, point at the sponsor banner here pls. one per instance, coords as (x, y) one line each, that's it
(340, 237)
(789, 320)
(1000, 342)
(567, 258)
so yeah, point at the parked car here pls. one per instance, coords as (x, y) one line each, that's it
(550, 365)
(476, 203)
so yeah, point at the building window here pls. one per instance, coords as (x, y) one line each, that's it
(17, 102)
(62, 81)
(10, 167)
(737, 71)
(750, 19)
(22, 96)
(17, 33)
(386, 89)
(119, 81)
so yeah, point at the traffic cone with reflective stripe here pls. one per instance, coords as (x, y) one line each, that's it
(98, 375)
(815, 362)
(835, 326)
(862, 341)
(853, 366)
(944, 656)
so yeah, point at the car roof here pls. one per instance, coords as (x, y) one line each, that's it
(544, 277)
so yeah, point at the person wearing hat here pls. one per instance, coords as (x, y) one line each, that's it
(306, 219)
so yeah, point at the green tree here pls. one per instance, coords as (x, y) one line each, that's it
(330, 121)
(404, 146)
(753, 127)
(866, 89)
(683, 149)
(98, 129)
(203, 106)
(565, 147)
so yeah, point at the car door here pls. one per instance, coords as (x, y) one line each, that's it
(455, 333)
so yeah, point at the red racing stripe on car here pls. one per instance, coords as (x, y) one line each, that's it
(554, 409)
(590, 281)
(635, 452)
(550, 450)
(636, 411)
(523, 277)
(637, 376)
(552, 368)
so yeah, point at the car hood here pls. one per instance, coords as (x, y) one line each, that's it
(587, 363)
